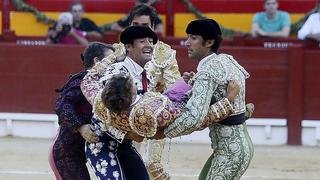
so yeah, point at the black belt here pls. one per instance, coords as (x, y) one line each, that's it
(234, 120)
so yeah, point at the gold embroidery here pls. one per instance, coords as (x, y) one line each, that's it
(143, 116)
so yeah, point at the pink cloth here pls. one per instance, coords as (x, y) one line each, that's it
(68, 39)
(51, 160)
(178, 91)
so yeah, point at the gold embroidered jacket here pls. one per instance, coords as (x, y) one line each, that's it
(163, 67)
(155, 111)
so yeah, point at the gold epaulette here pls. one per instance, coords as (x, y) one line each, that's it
(120, 51)
(163, 54)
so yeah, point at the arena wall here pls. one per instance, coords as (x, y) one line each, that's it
(283, 83)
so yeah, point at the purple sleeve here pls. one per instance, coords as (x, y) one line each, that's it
(178, 91)
(66, 106)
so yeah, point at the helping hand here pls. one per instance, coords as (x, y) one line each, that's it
(187, 76)
(249, 110)
(88, 134)
(233, 90)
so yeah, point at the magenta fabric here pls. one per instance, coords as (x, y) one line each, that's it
(68, 39)
(178, 91)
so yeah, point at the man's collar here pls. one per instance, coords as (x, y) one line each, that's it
(136, 68)
(204, 60)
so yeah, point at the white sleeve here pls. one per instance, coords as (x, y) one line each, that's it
(113, 69)
(306, 28)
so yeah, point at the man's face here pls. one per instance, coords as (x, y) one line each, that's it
(196, 47)
(107, 52)
(77, 12)
(271, 6)
(143, 20)
(141, 50)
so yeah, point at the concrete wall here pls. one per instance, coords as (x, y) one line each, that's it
(262, 131)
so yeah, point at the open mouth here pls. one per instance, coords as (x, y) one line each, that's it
(147, 52)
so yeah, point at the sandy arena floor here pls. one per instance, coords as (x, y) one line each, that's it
(27, 159)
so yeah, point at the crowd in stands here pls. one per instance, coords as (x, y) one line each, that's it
(64, 32)
(270, 23)
(311, 28)
(82, 23)
(73, 28)
(121, 24)
(276, 23)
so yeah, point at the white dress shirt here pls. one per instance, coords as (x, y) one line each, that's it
(311, 26)
(128, 66)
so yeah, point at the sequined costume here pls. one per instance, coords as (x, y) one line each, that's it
(151, 112)
(231, 144)
(164, 70)
(113, 157)
(67, 155)
(154, 111)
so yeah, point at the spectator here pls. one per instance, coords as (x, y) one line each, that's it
(63, 33)
(272, 22)
(84, 24)
(121, 24)
(311, 28)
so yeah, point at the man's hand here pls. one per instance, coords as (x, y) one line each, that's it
(72, 32)
(233, 90)
(187, 76)
(59, 27)
(87, 133)
(249, 110)
(158, 135)
(133, 136)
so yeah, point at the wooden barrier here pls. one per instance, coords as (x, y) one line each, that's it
(250, 41)
(311, 84)
(268, 69)
(295, 93)
(30, 75)
(284, 82)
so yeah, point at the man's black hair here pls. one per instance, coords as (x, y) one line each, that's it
(141, 10)
(94, 49)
